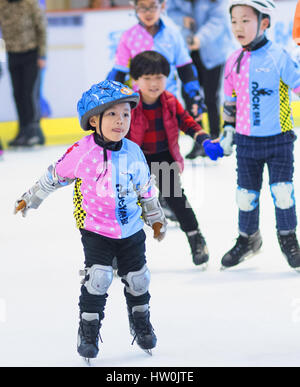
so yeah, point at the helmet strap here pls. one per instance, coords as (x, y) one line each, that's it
(111, 145)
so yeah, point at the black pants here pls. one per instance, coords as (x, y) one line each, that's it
(210, 80)
(130, 253)
(25, 78)
(169, 185)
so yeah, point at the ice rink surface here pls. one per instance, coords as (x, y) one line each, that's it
(245, 316)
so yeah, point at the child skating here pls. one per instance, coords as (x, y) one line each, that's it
(152, 32)
(257, 115)
(111, 176)
(155, 127)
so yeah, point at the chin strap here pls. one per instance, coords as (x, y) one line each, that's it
(110, 145)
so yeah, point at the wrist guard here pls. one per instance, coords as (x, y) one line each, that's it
(152, 214)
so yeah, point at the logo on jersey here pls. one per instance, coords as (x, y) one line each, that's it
(257, 93)
(263, 70)
(122, 207)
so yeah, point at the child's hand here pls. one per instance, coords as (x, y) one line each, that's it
(198, 105)
(30, 199)
(195, 45)
(21, 205)
(188, 22)
(159, 231)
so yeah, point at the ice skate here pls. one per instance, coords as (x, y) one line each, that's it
(244, 248)
(290, 248)
(196, 151)
(88, 336)
(198, 248)
(141, 328)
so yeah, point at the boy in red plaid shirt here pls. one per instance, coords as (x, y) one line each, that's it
(154, 127)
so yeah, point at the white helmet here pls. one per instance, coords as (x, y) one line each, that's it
(263, 6)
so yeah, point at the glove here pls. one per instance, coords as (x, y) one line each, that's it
(159, 231)
(213, 149)
(154, 217)
(30, 199)
(226, 141)
(199, 101)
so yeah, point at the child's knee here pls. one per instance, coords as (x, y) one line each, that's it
(137, 282)
(247, 200)
(283, 195)
(98, 279)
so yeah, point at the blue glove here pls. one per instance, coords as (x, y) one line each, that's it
(213, 149)
(199, 101)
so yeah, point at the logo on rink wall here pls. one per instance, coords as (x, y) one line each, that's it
(2, 50)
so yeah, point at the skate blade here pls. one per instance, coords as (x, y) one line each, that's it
(148, 351)
(203, 266)
(87, 361)
(250, 255)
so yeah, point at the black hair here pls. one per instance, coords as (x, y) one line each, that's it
(149, 63)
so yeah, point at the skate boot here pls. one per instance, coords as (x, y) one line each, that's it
(141, 328)
(290, 248)
(33, 136)
(20, 137)
(244, 247)
(169, 214)
(197, 150)
(198, 247)
(88, 335)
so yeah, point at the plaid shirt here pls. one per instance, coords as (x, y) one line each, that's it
(155, 140)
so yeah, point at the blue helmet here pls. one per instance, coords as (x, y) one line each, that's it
(102, 96)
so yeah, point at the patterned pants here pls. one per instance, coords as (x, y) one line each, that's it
(252, 155)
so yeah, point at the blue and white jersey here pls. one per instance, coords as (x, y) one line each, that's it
(262, 90)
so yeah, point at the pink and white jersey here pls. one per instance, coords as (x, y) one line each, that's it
(262, 90)
(107, 204)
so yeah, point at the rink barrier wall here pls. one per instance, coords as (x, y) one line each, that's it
(64, 131)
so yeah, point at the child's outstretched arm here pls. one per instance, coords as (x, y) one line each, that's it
(33, 198)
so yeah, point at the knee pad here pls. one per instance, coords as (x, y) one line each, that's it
(137, 282)
(283, 195)
(98, 279)
(247, 200)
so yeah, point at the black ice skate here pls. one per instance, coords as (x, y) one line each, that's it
(244, 247)
(88, 335)
(196, 151)
(290, 248)
(141, 328)
(198, 248)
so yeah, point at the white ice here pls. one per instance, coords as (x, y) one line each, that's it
(246, 316)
